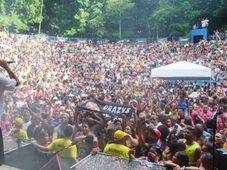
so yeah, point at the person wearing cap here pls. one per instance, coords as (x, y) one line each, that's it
(59, 130)
(18, 132)
(118, 148)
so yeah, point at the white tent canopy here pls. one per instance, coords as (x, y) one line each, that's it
(182, 71)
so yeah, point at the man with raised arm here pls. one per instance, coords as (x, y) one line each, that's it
(5, 84)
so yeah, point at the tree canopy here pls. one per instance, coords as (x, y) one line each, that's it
(111, 18)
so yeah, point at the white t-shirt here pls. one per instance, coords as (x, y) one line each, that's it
(5, 84)
(203, 23)
(25, 125)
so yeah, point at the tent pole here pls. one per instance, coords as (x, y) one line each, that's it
(210, 83)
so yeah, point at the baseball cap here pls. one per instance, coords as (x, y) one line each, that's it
(19, 121)
(157, 133)
(119, 134)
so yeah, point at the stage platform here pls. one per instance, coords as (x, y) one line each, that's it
(101, 161)
(5, 167)
(27, 157)
(10, 144)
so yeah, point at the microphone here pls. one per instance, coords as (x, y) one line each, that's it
(10, 62)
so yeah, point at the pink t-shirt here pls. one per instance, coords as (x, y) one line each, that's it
(205, 116)
(220, 122)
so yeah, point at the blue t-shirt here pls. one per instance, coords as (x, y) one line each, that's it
(182, 104)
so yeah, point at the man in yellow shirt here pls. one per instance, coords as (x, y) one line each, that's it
(118, 148)
(62, 146)
(18, 132)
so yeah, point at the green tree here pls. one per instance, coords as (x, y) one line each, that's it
(58, 17)
(116, 11)
(91, 18)
(141, 24)
(111, 18)
(96, 22)
(17, 15)
(172, 18)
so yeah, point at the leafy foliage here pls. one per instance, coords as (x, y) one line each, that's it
(111, 18)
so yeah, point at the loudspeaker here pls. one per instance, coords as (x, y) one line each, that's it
(221, 159)
(27, 157)
(198, 38)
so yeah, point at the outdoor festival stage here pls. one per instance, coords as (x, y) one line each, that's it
(26, 157)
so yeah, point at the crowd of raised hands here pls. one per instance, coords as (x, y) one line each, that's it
(58, 77)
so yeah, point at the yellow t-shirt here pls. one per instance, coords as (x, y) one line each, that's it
(60, 144)
(20, 133)
(117, 150)
(190, 151)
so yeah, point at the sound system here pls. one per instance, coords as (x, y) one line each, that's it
(25, 157)
(22, 155)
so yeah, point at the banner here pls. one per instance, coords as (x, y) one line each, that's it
(111, 109)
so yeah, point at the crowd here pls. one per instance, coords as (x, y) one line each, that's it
(169, 125)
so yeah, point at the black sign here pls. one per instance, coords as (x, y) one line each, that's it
(112, 109)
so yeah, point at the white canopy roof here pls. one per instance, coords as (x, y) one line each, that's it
(182, 71)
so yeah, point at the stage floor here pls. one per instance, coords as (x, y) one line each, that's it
(9, 144)
(5, 167)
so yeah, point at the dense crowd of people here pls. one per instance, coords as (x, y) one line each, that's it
(170, 120)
